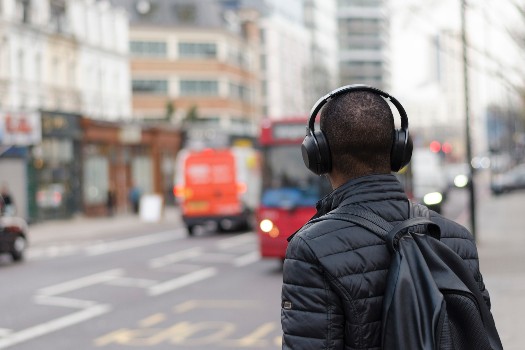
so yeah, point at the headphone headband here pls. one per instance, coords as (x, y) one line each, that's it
(315, 148)
(353, 88)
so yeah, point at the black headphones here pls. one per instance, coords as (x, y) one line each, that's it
(315, 148)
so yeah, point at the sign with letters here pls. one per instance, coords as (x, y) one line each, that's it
(20, 128)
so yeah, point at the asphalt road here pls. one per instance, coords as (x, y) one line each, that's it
(160, 290)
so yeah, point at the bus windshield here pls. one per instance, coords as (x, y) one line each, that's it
(286, 181)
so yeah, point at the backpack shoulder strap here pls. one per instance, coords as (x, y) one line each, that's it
(364, 218)
(382, 228)
(418, 210)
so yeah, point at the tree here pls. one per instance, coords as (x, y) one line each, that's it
(170, 110)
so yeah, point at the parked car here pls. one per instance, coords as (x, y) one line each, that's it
(13, 234)
(510, 180)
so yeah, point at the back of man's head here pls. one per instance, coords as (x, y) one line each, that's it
(359, 128)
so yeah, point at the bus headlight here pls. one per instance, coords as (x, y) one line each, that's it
(432, 198)
(266, 225)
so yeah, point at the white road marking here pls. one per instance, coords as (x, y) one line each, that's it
(63, 302)
(182, 281)
(69, 286)
(132, 282)
(53, 325)
(175, 257)
(236, 241)
(247, 259)
(131, 243)
(216, 258)
(5, 332)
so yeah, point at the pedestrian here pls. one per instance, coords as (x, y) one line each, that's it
(110, 200)
(335, 273)
(8, 204)
(134, 198)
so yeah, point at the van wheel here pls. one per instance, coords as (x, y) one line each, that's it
(226, 225)
(191, 230)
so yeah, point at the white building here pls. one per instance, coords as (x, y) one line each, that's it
(286, 58)
(59, 60)
(68, 56)
(321, 21)
(364, 51)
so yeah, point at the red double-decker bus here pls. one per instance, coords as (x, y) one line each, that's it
(289, 190)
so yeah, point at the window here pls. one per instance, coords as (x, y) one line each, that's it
(360, 26)
(96, 175)
(197, 50)
(148, 48)
(199, 87)
(21, 65)
(38, 68)
(361, 42)
(57, 18)
(150, 86)
(360, 3)
(23, 10)
(239, 92)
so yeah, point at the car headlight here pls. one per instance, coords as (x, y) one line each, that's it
(461, 180)
(432, 198)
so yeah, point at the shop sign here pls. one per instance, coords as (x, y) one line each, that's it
(130, 134)
(20, 128)
(60, 125)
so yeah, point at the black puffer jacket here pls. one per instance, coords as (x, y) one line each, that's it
(335, 272)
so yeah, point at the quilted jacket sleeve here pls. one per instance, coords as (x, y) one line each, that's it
(311, 313)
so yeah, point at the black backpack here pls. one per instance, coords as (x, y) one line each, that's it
(432, 300)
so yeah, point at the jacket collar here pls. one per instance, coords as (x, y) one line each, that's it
(367, 188)
(362, 189)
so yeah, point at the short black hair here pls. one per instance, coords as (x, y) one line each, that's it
(359, 128)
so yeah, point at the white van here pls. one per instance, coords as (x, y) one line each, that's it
(429, 178)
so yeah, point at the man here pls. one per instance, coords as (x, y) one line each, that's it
(334, 274)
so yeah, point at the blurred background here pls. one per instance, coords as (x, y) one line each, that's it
(149, 148)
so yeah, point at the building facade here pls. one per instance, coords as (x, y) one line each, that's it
(363, 42)
(286, 61)
(320, 18)
(195, 62)
(60, 62)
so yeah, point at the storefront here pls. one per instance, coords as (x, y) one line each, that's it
(55, 168)
(19, 131)
(119, 157)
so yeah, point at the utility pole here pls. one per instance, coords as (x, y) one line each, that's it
(472, 187)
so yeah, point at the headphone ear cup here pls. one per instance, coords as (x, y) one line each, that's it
(401, 150)
(316, 153)
(310, 153)
(325, 163)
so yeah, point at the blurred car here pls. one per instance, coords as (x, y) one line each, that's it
(513, 179)
(429, 183)
(13, 234)
(458, 175)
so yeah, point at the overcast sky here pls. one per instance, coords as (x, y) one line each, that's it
(415, 22)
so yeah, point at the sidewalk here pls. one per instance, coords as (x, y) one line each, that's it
(82, 227)
(501, 245)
